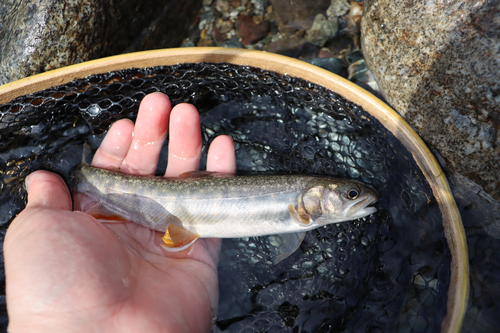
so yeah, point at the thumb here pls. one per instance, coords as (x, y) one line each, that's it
(47, 190)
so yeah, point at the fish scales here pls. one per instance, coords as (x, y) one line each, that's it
(224, 206)
(207, 205)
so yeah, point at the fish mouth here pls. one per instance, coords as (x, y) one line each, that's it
(363, 208)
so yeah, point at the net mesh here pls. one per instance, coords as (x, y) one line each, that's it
(387, 272)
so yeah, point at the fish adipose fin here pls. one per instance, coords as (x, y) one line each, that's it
(286, 244)
(177, 239)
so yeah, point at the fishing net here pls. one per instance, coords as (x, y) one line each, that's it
(383, 273)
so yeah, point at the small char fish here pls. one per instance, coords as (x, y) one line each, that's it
(207, 204)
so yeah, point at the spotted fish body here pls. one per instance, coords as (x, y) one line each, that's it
(202, 204)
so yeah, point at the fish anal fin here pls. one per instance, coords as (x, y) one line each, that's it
(177, 238)
(104, 214)
(286, 244)
(300, 216)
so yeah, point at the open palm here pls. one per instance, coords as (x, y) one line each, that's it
(67, 272)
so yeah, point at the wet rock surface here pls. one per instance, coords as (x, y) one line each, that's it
(37, 36)
(438, 65)
(298, 29)
(252, 28)
(301, 13)
(322, 30)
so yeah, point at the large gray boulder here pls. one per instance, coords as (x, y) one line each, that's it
(438, 64)
(40, 35)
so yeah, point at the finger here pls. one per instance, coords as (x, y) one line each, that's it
(221, 156)
(149, 133)
(47, 190)
(184, 147)
(115, 145)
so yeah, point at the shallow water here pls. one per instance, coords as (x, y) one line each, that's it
(383, 273)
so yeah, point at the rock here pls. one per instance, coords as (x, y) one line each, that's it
(309, 51)
(259, 7)
(188, 43)
(322, 30)
(325, 53)
(360, 74)
(352, 21)
(331, 64)
(205, 39)
(205, 19)
(220, 30)
(438, 64)
(299, 13)
(222, 5)
(290, 47)
(40, 35)
(338, 8)
(250, 31)
(340, 45)
(233, 42)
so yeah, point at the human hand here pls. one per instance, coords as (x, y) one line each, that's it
(66, 272)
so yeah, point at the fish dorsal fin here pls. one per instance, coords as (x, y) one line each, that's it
(104, 214)
(177, 238)
(201, 174)
(286, 244)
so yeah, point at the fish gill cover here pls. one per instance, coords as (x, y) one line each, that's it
(384, 273)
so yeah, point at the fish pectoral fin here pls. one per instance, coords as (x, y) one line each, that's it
(286, 244)
(104, 214)
(178, 239)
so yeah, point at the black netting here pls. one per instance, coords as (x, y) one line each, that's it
(384, 273)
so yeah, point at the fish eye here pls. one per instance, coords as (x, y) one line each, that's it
(353, 193)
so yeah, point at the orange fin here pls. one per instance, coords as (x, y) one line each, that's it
(177, 238)
(103, 214)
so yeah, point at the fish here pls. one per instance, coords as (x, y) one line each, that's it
(203, 204)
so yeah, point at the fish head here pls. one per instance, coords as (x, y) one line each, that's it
(331, 201)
